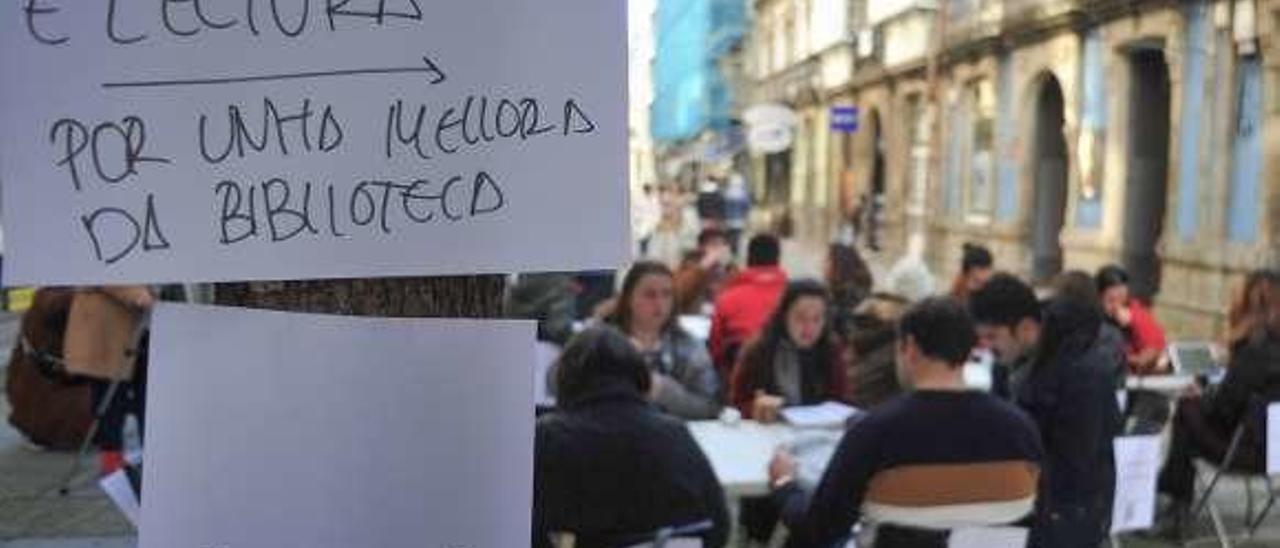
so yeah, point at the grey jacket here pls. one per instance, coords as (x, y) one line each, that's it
(688, 386)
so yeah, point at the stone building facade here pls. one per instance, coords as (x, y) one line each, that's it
(800, 52)
(1069, 134)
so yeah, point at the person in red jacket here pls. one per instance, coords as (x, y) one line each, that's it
(796, 360)
(746, 301)
(1145, 336)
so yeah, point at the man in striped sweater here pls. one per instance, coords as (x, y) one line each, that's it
(939, 457)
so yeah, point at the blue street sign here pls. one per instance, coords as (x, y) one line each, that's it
(844, 119)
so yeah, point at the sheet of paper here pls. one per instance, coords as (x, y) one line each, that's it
(698, 326)
(308, 139)
(824, 415)
(269, 429)
(120, 491)
(1273, 439)
(988, 537)
(1138, 460)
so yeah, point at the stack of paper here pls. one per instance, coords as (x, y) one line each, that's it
(825, 415)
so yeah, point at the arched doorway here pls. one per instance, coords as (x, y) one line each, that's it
(1049, 165)
(1148, 174)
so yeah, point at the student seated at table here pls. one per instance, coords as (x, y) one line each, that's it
(1144, 335)
(938, 457)
(684, 383)
(1204, 423)
(1064, 361)
(796, 360)
(608, 465)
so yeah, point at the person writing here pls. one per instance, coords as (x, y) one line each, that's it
(796, 360)
(684, 382)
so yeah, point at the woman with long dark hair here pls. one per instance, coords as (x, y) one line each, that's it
(1205, 422)
(796, 360)
(684, 382)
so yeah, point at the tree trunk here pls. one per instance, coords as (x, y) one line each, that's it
(454, 297)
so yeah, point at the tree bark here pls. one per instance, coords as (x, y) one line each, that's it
(454, 297)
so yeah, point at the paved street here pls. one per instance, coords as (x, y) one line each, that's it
(30, 506)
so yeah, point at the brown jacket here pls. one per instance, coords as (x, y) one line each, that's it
(49, 408)
(696, 286)
(103, 331)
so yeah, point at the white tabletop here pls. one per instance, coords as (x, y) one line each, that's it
(740, 453)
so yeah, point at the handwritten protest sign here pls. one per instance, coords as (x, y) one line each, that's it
(167, 140)
(268, 429)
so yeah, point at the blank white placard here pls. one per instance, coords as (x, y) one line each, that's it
(269, 429)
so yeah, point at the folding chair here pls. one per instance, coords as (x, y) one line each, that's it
(1257, 421)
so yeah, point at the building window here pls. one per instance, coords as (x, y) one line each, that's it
(779, 44)
(953, 178)
(981, 183)
(1246, 153)
(970, 174)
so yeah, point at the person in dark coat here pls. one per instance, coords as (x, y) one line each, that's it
(1205, 422)
(1065, 361)
(608, 466)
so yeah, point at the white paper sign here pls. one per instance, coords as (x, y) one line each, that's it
(1137, 468)
(269, 429)
(1273, 439)
(206, 141)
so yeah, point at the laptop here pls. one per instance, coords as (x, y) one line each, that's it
(1196, 359)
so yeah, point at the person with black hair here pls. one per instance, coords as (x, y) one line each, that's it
(1064, 363)
(796, 360)
(941, 449)
(609, 467)
(703, 272)
(976, 267)
(747, 300)
(685, 383)
(1144, 335)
